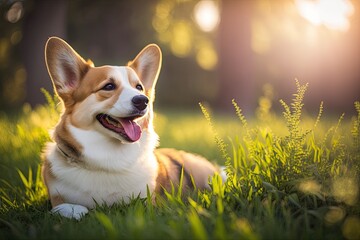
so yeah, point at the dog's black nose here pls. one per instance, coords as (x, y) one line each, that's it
(140, 102)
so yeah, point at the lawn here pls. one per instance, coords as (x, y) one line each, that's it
(290, 176)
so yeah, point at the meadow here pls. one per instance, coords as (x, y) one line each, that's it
(290, 176)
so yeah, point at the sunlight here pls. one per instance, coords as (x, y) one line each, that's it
(15, 13)
(333, 14)
(346, 189)
(206, 15)
(181, 43)
(334, 215)
(310, 187)
(351, 227)
(206, 55)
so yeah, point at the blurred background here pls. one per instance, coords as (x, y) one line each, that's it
(213, 50)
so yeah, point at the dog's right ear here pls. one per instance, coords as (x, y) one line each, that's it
(147, 65)
(65, 66)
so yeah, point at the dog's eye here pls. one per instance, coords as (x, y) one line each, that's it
(109, 87)
(139, 87)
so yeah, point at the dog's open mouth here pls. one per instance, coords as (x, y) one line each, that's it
(126, 127)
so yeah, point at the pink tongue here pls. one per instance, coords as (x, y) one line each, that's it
(132, 129)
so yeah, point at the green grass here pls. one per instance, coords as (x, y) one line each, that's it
(291, 176)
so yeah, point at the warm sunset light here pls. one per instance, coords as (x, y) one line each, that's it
(199, 119)
(206, 15)
(333, 14)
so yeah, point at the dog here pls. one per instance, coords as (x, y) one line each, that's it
(104, 147)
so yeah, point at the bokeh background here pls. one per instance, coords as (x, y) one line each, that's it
(213, 50)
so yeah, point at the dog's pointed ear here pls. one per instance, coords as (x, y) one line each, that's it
(65, 66)
(147, 66)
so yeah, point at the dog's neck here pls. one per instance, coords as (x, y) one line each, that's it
(99, 152)
(68, 154)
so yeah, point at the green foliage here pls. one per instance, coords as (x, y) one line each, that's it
(356, 131)
(262, 158)
(32, 192)
(289, 177)
(23, 136)
(294, 142)
(297, 170)
(218, 140)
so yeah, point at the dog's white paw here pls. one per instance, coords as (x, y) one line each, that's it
(69, 210)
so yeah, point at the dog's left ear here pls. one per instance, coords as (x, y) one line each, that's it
(147, 66)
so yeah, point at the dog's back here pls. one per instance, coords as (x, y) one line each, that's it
(174, 163)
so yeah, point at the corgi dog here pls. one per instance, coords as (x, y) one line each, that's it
(104, 145)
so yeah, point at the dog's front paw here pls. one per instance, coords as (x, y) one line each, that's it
(70, 210)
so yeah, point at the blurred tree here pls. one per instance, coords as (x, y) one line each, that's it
(236, 66)
(258, 42)
(263, 41)
(190, 57)
(111, 31)
(43, 20)
(12, 74)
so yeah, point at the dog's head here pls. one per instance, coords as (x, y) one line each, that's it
(114, 100)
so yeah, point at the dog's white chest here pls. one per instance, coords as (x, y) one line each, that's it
(86, 187)
(108, 174)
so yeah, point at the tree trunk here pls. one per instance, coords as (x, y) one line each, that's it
(45, 19)
(235, 57)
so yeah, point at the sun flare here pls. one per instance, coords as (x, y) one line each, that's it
(333, 14)
(207, 15)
